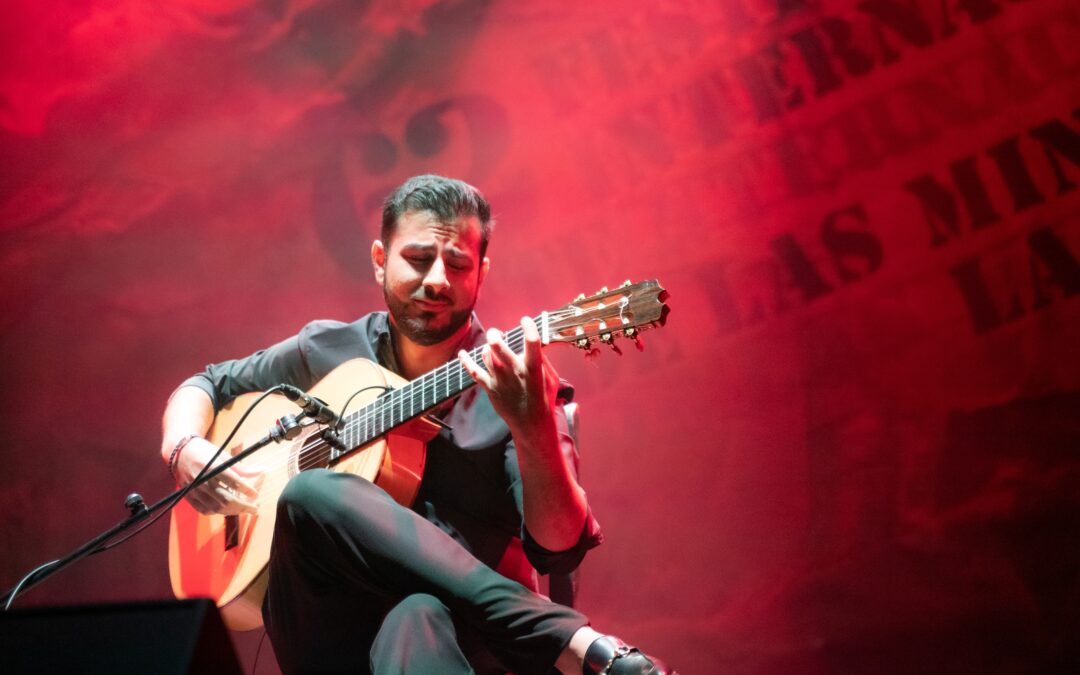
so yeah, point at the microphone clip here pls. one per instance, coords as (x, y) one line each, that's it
(315, 408)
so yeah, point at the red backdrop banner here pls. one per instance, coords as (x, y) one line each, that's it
(854, 446)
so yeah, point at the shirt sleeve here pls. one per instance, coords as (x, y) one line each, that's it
(224, 381)
(560, 562)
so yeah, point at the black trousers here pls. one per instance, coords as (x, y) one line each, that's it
(359, 583)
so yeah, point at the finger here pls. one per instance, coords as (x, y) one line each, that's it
(238, 506)
(533, 349)
(502, 357)
(238, 477)
(240, 485)
(247, 468)
(232, 503)
(489, 363)
(474, 371)
(542, 377)
(209, 500)
(199, 503)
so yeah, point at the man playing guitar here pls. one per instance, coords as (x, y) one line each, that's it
(358, 581)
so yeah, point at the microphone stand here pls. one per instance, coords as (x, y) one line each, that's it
(286, 428)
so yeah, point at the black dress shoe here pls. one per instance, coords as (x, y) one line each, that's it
(609, 655)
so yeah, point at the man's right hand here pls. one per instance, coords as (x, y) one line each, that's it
(231, 492)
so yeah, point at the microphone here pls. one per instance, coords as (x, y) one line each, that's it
(313, 407)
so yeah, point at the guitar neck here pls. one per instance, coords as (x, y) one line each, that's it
(400, 405)
(625, 311)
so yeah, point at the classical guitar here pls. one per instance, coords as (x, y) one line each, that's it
(382, 437)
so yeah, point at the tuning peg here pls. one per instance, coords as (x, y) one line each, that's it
(609, 340)
(603, 289)
(582, 343)
(580, 297)
(626, 283)
(635, 335)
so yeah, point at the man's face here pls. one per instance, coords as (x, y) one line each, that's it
(430, 273)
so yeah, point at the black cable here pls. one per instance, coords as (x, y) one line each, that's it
(188, 487)
(356, 393)
(258, 650)
(18, 586)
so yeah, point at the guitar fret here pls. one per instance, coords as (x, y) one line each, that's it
(388, 416)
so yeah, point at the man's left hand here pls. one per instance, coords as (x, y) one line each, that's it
(522, 388)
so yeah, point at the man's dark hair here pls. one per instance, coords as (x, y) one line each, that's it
(447, 198)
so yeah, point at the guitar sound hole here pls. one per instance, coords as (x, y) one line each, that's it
(310, 451)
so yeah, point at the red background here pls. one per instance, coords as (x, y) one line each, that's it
(852, 449)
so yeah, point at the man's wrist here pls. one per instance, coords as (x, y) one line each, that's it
(174, 455)
(540, 429)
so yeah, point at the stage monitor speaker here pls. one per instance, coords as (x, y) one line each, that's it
(180, 636)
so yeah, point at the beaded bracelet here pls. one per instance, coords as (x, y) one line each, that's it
(175, 454)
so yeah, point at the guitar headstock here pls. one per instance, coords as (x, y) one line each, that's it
(600, 318)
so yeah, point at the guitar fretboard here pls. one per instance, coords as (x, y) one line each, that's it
(413, 399)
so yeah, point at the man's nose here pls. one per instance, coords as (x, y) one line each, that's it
(435, 281)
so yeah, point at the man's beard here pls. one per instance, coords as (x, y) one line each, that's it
(416, 328)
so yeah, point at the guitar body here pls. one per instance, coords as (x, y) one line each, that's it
(225, 557)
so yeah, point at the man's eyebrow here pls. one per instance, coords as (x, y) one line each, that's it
(457, 253)
(428, 248)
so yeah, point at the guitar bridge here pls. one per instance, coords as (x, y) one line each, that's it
(232, 532)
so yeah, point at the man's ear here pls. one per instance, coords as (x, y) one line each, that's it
(378, 261)
(485, 266)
